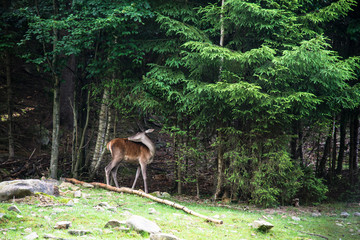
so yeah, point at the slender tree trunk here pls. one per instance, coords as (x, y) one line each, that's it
(220, 153)
(56, 130)
(9, 104)
(179, 166)
(56, 107)
(321, 171)
(220, 167)
(296, 143)
(80, 144)
(333, 158)
(75, 137)
(222, 36)
(340, 159)
(100, 141)
(354, 141)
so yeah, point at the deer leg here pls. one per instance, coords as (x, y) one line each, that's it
(136, 177)
(143, 172)
(108, 170)
(114, 174)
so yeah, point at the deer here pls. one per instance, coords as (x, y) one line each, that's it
(137, 149)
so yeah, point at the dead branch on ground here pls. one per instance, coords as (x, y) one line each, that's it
(143, 194)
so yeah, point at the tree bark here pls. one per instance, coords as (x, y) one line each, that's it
(333, 157)
(9, 104)
(56, 130)
(220, 167)
(321, 171)
(340, 159)
(354, 141)
(56, 106)
(100, 141)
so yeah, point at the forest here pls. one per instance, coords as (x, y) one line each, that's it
(251, 100)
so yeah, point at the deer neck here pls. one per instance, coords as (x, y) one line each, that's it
(149, 144)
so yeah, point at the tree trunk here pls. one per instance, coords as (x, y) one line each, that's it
(296, 143)
(333, 157)
(179, 166)
(79, 141)
(220, 167)
(340, 159)
(354, 141)
(220, 153)
(56, 106)
(321, 171)
(56, 129)
(9, 104)
(100, 141)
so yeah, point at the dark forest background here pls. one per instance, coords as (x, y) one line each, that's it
(254, 100)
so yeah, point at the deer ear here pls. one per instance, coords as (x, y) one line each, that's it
(149, 130)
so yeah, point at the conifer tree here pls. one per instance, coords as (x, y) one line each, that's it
(277, 69)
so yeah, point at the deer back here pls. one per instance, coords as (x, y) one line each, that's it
(132, 152)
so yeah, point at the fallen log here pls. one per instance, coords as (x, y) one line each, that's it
(143, 194)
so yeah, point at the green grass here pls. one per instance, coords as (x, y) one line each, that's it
(84, 216)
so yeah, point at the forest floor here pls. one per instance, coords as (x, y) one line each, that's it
(95, 207)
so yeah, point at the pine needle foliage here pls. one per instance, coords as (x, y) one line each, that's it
(276, 67)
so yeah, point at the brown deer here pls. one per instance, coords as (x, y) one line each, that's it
(137, 149)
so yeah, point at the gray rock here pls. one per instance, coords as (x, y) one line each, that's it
(139, 224)
(68, 186)
(87, 185)
(2, 215)
(316, 214)
(104, 204)
(262, 225)
(14, 208)
(79, 232)
(62, 225)
(70, 203)
(344, 214)
(152, 211)
(50, 236)
(295, 218)
(31, 236)
(163, 236)
(357, 214)
(23, 188)
(114, 223)
(77, 194)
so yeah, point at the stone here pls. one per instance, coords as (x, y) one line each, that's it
(163, 236)
(357, 214)
(161, 194)
(70, 203)
(50, 236)
(77, 194)
(23, 188)
(68, 186)
(140, 224)
(31, 236)
(87, 185)
(114, 223)
(316, 214)
(344, 214)
(262, 225)
(79, 232)
(2, 215)
(62, 225)
(14, 208)
(152, 211)
(104, 204)
(295, 218)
